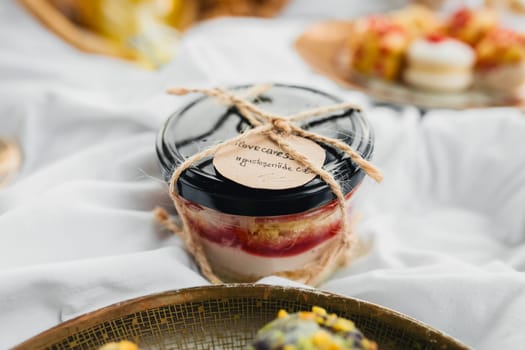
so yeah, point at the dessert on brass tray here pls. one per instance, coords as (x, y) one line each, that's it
(304, 330)
(416, 46)
(311, 330)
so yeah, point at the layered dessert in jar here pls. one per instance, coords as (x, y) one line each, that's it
(245, 248)
(248, 233)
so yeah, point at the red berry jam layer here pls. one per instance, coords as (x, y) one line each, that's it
(277, 236)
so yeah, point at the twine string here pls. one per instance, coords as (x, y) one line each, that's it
(278, 129)
(323, 110)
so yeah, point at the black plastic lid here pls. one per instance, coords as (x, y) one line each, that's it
(206, 122)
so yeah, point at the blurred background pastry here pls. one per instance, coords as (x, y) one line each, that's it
(501, 59)
(146, 27)
(431, 4)
(439, 63)
(145, 31)
(418, 20)
(471, 25)
(253, 8)
(377, 46)
(516, 6)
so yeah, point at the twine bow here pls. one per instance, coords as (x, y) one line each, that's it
(278, 129)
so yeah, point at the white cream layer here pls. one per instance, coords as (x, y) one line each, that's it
(438, 81)
(235, 264)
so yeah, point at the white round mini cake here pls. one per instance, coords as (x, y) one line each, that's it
(439, 64)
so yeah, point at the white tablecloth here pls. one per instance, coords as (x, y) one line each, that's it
(445, 230)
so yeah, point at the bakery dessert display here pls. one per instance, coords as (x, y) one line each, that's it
(439, 63)
(378, 43)
(419, 48)
(311, 330)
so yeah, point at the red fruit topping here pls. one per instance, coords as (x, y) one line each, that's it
(461, 17)
(436, 38)
(239, 238)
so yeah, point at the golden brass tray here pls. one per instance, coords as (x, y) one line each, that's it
(227, 317)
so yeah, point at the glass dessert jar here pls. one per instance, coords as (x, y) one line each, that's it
(248, 233)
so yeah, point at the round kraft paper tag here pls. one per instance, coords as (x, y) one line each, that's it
(257, 162)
